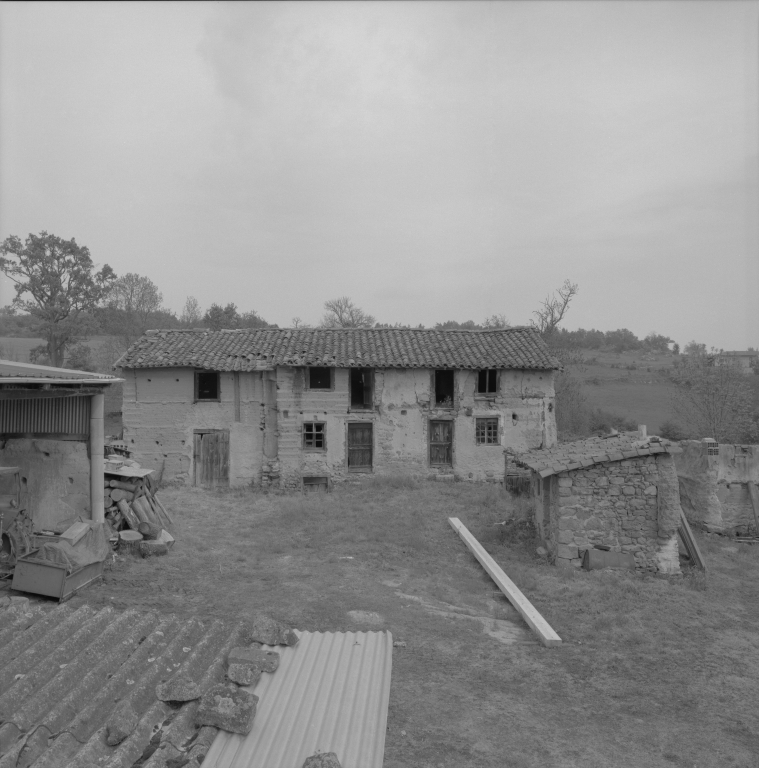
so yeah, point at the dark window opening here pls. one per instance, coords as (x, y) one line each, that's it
(361, 387)
(206, 385)
(444, 389)
(486, 431)
(487, 382)
(314, 434)
(319, 378)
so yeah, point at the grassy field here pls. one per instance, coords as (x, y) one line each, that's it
(652, 672)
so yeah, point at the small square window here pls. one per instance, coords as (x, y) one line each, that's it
(487, 382)
(207, 385)
(314, 435)
(320, 378)
(486, 432)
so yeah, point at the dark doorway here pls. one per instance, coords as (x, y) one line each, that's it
(361, 387)
(360, 446)
(441, 443)
(211, 457)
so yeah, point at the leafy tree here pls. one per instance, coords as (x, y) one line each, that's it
(64, 289)
(655, 342)
(133, 304)
(343, 313)
(191, 316)
(454, 325)
(554, 307)
(219, 318)
(622, 340)
(713, 400)
(496, 321)
(675, 349)
(694, 348)
(80, 358)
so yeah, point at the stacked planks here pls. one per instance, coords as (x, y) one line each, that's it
(131, 502)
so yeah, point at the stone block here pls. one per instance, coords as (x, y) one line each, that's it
(243, 674)
(265, 661)
(322, 760)
(565, 491)
(121, 723)
(270, 632)
(614, 491)
(566, 537)
(602, 482)
(180, 688)
(618, 480)
(227, 707)
(628, 490)
(566, 552)
(650, 491)
(565, 482)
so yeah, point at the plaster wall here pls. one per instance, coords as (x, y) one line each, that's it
(714, 489)
(631, 506)
(160, 416)
(403, 405)
(57, 475)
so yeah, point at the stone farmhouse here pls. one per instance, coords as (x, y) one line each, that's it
(303, 408)
(746, 360)
(620, 492)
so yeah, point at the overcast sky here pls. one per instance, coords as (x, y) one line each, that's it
(432, 161)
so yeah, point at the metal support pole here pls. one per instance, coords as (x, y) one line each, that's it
(96, 458)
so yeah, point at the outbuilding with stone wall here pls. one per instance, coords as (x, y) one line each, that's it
(619, 493)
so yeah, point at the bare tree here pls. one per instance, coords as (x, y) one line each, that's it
(713, 400)
(136, 300)
(553, 309)
(191, 313)
(296, 322)
(343, 313)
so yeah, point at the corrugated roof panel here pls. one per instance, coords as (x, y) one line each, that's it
(329, 694)
(11, 370)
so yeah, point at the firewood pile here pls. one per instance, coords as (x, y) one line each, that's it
(133, 509)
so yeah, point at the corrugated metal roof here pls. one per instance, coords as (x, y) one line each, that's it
(266, 348)
(63, 671)
(329, 694)
(24, 373)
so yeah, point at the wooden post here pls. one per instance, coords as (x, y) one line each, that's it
(641, 431)
(97, 476)
(236, 375)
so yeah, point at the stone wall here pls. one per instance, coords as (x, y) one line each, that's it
(714, 488)
(631, 506)
(57, 477)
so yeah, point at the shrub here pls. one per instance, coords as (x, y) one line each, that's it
(671, 430)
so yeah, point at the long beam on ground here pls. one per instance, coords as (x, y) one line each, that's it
(536, 622)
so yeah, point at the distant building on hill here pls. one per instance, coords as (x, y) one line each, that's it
(747, 360)
(305, 407)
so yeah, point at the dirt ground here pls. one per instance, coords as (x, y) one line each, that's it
(651, 672)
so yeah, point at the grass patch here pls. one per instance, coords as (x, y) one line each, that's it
(652, 672)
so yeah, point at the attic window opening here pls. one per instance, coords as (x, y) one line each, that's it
(361, 387)
(487, 381)
(444, 388)
(206, 385)
(320, 378)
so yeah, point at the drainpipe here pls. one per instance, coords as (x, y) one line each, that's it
(96, 458)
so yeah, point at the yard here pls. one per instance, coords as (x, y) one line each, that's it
(652, 672)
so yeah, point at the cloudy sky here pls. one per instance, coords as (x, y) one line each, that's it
(431, 160)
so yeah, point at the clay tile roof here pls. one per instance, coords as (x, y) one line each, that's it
(266, 348)
(594, 450)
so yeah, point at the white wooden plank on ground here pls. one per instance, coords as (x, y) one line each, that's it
(536, 622)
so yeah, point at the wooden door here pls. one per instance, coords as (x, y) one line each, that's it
(360, 446)
(211, 454)
(441, 443)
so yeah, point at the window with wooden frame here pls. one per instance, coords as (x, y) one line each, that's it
(486, 431)
(444, 386)
(319, 378)
(207, 386)
(361, 387)
(314, 436)
(487, 381)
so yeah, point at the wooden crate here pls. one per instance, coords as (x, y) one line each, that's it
(41, 577)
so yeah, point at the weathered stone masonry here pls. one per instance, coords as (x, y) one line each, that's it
(620, 493)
